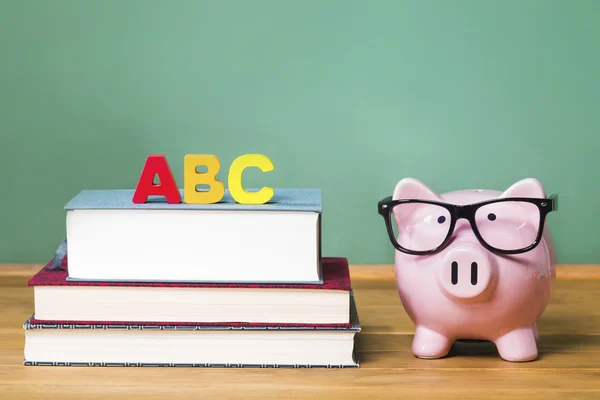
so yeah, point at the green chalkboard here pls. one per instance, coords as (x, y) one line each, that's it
(347, 96)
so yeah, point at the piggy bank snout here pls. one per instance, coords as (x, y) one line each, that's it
(466, 272)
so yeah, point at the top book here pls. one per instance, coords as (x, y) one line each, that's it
(111, 238)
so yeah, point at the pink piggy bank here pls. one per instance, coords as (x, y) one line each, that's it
(472, 264)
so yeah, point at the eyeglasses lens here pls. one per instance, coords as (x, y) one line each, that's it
(420, 226)
(510, 225)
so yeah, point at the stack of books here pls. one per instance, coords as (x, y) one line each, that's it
(224, 284)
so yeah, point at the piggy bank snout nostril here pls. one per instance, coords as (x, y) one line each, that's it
(454, 273)
(454, 277)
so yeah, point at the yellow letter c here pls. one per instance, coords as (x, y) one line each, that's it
(235, 179)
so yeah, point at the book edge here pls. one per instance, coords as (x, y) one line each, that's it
(352, 326)
(177, 365)
(317, 285)
(232, 206)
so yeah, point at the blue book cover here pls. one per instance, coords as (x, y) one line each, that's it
(301, 200)
(259, 258)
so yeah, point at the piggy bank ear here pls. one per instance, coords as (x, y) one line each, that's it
(410, 188)
(529, 187)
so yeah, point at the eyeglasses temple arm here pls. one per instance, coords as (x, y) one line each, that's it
(554, 199)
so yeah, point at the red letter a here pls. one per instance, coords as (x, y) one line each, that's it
(156, 165)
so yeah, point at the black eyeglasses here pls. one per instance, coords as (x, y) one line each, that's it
(502, 225)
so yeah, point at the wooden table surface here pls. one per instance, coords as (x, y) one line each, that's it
(568, 365)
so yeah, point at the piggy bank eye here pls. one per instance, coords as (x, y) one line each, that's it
(492, 216)
(441, 219)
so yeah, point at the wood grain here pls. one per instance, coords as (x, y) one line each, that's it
(568, 365)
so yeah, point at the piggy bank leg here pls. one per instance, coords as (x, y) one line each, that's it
(430, 344)
(518, 345)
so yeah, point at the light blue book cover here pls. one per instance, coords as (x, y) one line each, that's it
(296, 200)
(301, 200)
